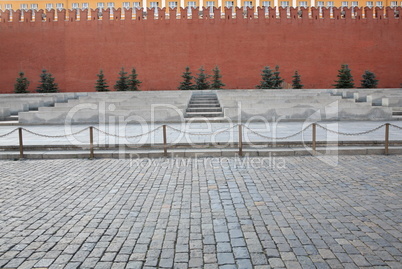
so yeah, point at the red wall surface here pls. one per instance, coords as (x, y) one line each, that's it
(75, 51)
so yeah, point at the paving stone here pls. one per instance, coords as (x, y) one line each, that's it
(241, 253)
(110, 213)
(225, 258)
(44, 263)
(275, 262)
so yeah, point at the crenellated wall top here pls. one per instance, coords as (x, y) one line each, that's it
(317, 14)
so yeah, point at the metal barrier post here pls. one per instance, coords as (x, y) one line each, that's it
(91, 142)
(387, 138)
(240, 141)
(314, 125)
(21, 143)
(164, 141)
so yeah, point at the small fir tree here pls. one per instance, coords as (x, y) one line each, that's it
(267, 81)
(186, 84)
(369, 80)
(122, 82)
(296, 82)
(277, 79)
(201, 82)
(22, 84)
(133, 82)
(345, 79)
(47, 83)
(101, 84)
(216, 79)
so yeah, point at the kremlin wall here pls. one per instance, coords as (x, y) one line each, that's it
(74, 45)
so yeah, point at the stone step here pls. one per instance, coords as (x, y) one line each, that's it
(204, 109)
(203, 105)
(203, 95)
(204, 102)
(397, 113)
(204, 114)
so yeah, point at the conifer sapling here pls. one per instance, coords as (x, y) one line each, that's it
(296, 82)
(122, 82)
(133, 82)
(216, 79)
(101, 84)
(22, 84)
(267, 81)
(47, 83)
(369, 81)
(345, 79)
(186, 84)
(277, 79)
(202, 80)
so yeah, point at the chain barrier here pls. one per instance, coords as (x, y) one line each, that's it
(54, 136)
(4, 135)
(211, 133)
(277, 138)
(396, 126)
(207, 134)
(130, 136)
(350, 134)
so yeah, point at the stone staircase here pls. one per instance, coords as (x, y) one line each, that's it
(204, 105)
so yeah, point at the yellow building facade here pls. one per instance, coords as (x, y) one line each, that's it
(93, 4)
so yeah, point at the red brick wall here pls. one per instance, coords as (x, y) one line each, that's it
(74, 51)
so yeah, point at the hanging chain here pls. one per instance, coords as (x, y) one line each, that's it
(4, 135)
(54, 136)
(128, 136)
(396, 126)
(277, 138)
(211, 133)
(350, 134)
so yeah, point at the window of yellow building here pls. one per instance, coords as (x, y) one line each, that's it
(59, 5)
(248, 4)
(303, 4)
(266, 3)
(378, 4)
(344, 4)
(284, 3)
(229, 4)
(355, 4)
(369, 4)
(85, 5)
(191, 4)
(137, 5)
(49, 6)
(24, 6)
(330, 3)
(154, 4)
(320, 3)
(210, 3)
(172, 4)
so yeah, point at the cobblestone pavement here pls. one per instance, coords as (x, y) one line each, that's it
(294, 212)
